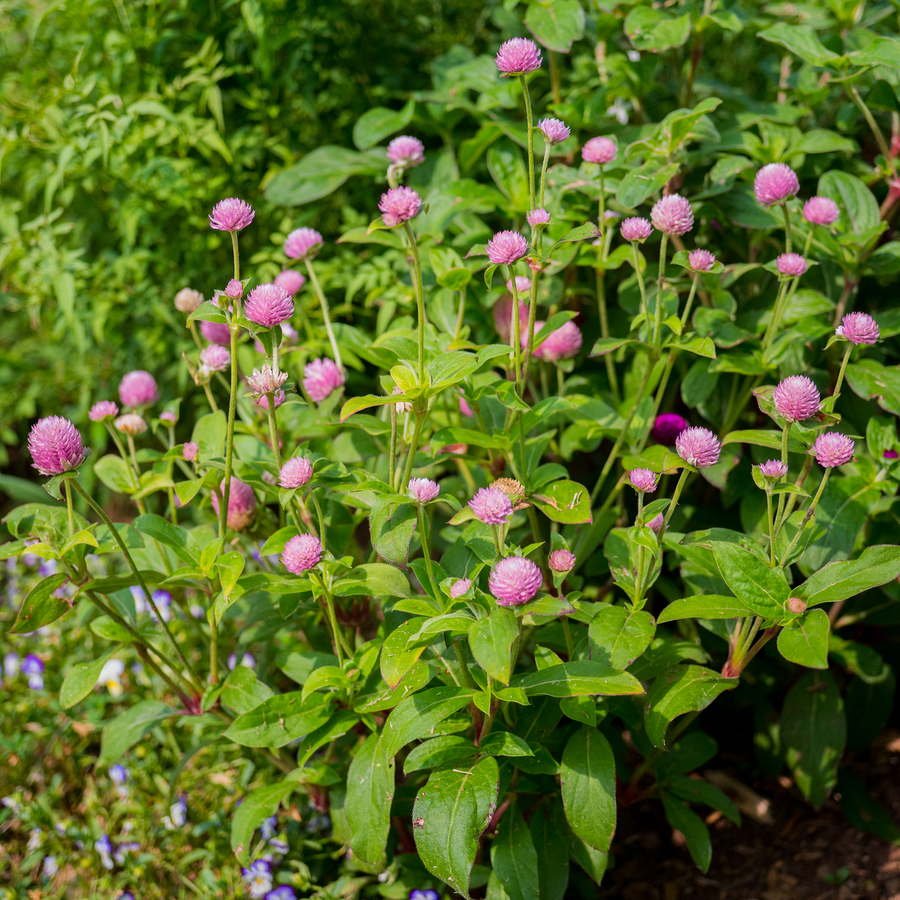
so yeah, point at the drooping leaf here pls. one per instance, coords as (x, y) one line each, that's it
(129, 727)
(514, 858)
(370, 790)
(257, 806)
(80, 680)
(588, 779)
(804, 640)
(846, 578)
(41, 607)
(493, 640)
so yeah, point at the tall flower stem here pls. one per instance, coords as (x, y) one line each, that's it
(771, 522)
(515, 337)
(840, 379)
(426, 550)
(420, 297)
(635, 255)
(392, 447)
(806, 518)
(336, 637)
(787, 228)
(69, 510)
(234, 331)
(682, 479)
(530, 121)
(544, 173)
(210, 399)
(532, 316)
(657, 324)
(600, 274)
(776, 317)
(273, 428)
(420, 420)
(870, 119)
(326, 315)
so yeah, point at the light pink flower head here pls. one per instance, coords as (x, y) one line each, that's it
(643, 480)
(773, 468)
(656, 523)
(492, 506)
(190, 451)
(399, 205)
(537, 217)
(187, 300)
(55, 446)
(131, 423)
(234, 290)
(459, 587)
(518, 56)
(290, 280)
(699, 447)
(774, 183)
(464, 407)
(295, 473)
(821, 211)
(792, 264)
(599, 150)
(796, 398)
(858, 328)
(301, 552)
(215, 358)
(216, 333)
(269, 305)
(564, 343)
(266, 380)
(503, 315)
(561, 560)
(263, 401)
(168, 417)
(320, 378)
(672, 214)
(302, 243)
(231, 215)
(555, 131)
(241, 504)
(522, 282)
(515, 580)
(103, 411)
(833, 449)
(138, 388)
(505, 247)
(405, 151)
(701, 260)
(636, 229)
(423, 490)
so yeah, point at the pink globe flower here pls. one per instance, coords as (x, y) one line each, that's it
(302, 552)
(459, 587)
(405, 151)
(561, 560)
(503, 315)
(216, 333)
(774, 183)
(505, 247)
(266, 380)
(518, 56)
(555, 131)
(667, 427)
(231, 215)
(796, 398)
(792, 264)
(699, 447)
(773, 469)
(858, 328)
(263, 401)
(534, 218)
(214, 359)
(599, 150)
(833, 449)
(320, 378)
(131, 424)
(492, 506)
(241, 504)
(187, 300)
(515, 580)
(138, 388)
(295, 473)
(821, 211)
(423, 490)
(302, 243)
(636, 229)
(672, 214)
(55, 446)
(103, 411)
(656, 523)
(399, 205)
(643, 480)
(891, 454)
(564, 343)
(269, 305)
(190, 451)
(701, 260)
(234, 290)
(290, 280)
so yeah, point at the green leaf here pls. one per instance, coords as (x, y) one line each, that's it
(602, 346)
(762, 589)
(679, 690)
(494, 641)
(373, 580)
(617, 636)
(442, 750)
(174, 536)
(813, 734)
(548, 834)
(23, 491)
(564, 501)
(392, 526)
(804, 640)
(396, 660)
(114, 472)
(845, 579)
(859, 208)
(80, 680)
(370, 790)
(450, 368)
(682, 818)
(802, 41)
(705, 606)
(279, 720)
(243, 691)
(355, 404)
(556, 24)
(640, 183)
(40, 607)
(210, 430)
(230, 566)
(415, 716)
(695, 790)
(187, 490)
(319, 173)
(129, 727)
(507, 168)
(575, 679)
(504, 743)
(588, 779)
(376, 124)
(514, 858)
(256, 807)
(449, 816)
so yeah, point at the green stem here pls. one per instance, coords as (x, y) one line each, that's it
(392, 447)
(769, 335)
(273, 429)
(496, 531)
(532, 316)
(870, 119)
(420, 297)
(528, 119)
(806, 518)
(322, 532)
(460, 314)
(771, 522)
(210, 399)
(682, 479)
(515, 336)
(544, 172)
(640, 277)
(323, 303)
(787, 228)
(657, 325)
(840, 378)
(690, 300)
(426, 550)
(420, 419)
(229, 434)
(69, 511)
(336, 636)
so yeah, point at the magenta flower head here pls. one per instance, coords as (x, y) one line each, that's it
(505, 247)
(459, 587)
(214, 359)
(667, 427)
(302, 243)
(599, 150)
(564, 343)
(821, 211)
(138, 388)
(643, 480)
(234, 290)
(103, 411)
(190, 451)
(796, 398)
(295, 473)
(231, 215)
(55, 446)
(423, 490)
(701, 260)
(774, 183)
(891, 454)
(320, 378)
(301, 552)
(492, 506)
(672, 214)
(773, 469)
(561, 560)
(555, 131)
(518, 56)
(699, 447)
(656, 523)
(405, 151)
(269, 305)
(792, 264)
(399, 205)
(290, 280)
(241, 504)
(515, 580)
(131, 423)
(216, 333)
(187, 300)
(833, 449)
(464, 407)
(537, 217)
(636, 229)
(858, 328)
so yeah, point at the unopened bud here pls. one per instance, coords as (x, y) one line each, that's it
(796, 605)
